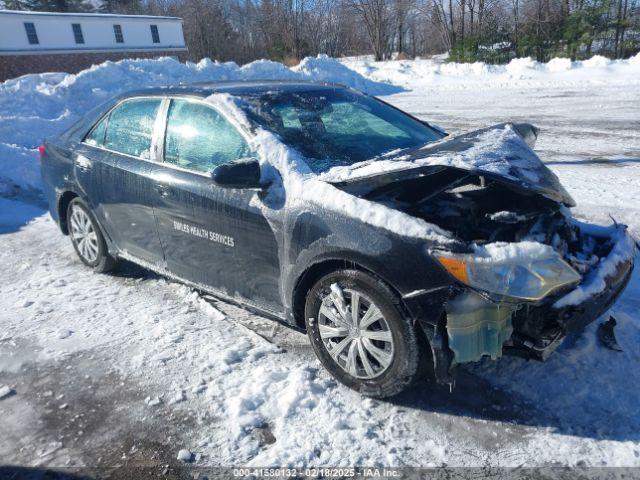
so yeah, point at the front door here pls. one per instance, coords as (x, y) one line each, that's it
(215, 236)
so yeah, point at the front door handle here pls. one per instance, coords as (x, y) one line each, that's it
(164, 190)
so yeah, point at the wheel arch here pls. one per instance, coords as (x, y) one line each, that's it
(63, 204)
(317, 270)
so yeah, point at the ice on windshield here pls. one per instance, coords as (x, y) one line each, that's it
(336, 127)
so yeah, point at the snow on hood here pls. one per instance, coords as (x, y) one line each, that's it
(498, 152)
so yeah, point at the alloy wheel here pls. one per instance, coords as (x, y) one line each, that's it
(83, 234)
(355, 332)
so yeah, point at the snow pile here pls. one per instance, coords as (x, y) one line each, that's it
(501, 252)
(36, 106)
(325, 69)
(5, 391)
(519, 73)
(185, 455)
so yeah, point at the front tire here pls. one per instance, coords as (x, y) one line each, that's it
(86, 237)
(359, 333)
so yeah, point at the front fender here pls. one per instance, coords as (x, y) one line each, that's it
(403, 263)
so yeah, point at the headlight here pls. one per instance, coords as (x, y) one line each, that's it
(518, 278)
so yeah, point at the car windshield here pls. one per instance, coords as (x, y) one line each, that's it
(336, 127)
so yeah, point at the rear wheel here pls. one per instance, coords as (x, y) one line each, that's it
(358, 332)
(86, 237)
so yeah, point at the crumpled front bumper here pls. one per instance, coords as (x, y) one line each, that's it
(577, 317)
(602, 285)
(574, 310)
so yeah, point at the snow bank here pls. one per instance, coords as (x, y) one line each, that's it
(36, 106)
(519, 73)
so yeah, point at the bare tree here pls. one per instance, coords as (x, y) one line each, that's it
(488, 30)
(377, 17)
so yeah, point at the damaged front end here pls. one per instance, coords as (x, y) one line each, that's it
(527, 272)
(533, 273)
(532, 304)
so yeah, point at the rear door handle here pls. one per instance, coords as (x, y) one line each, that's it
(83, 163)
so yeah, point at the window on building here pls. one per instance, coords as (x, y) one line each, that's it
(32, 36)
(154, 34)
(117, 30)
(77, 32)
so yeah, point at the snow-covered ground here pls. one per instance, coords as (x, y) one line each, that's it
(130, 369)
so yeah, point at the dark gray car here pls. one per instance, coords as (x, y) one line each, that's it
(339, 215)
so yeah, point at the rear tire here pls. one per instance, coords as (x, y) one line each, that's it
(87, 239)
(374, 352)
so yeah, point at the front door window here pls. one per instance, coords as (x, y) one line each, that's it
(199, 138)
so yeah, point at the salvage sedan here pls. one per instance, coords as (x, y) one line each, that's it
(379, 235)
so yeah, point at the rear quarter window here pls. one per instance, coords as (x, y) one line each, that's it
(96, 135)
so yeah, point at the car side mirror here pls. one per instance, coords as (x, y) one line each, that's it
(243, 173)
(528, 132)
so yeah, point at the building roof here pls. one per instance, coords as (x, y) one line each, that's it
(94, 15)
(44, 33)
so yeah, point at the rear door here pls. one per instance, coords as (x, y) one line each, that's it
(215, 236)
(121, 183)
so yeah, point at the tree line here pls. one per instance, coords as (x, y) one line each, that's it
(493, 31)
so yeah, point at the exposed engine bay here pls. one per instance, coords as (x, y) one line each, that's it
(478, 211)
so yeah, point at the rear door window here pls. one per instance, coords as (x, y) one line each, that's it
(130, 127)
(199, 138)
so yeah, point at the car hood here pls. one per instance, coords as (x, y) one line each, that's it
(501, 153)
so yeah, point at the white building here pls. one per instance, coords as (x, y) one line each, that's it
(72, 41)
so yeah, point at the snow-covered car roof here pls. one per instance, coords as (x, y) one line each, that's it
(205, 89)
